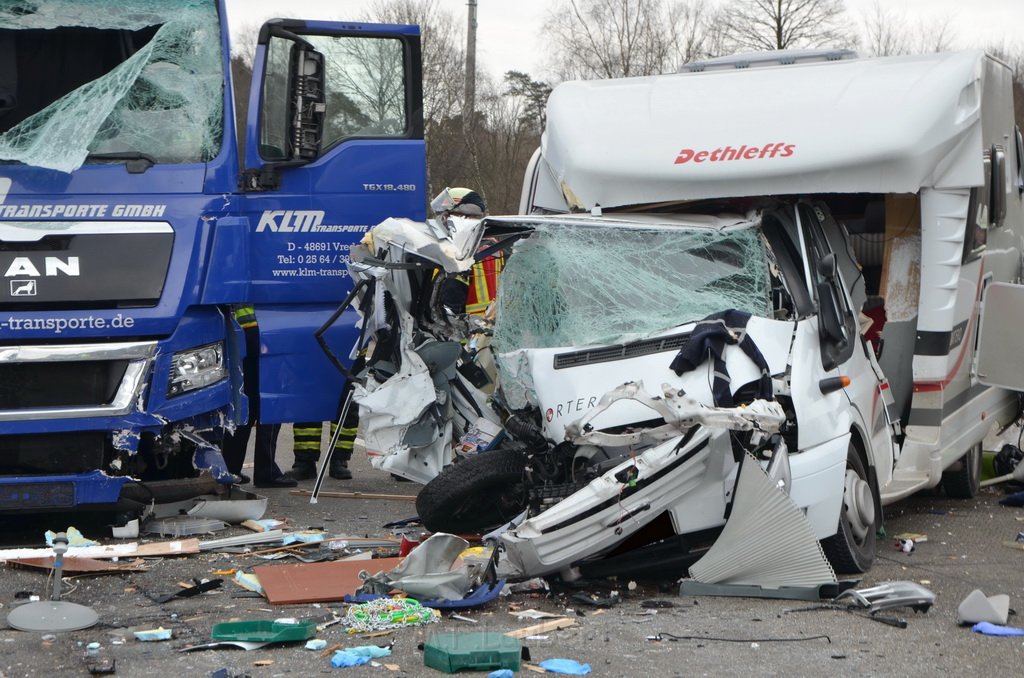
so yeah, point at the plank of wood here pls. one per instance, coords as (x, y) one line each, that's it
(357, 495)
(176, 547)
(82, 565)
(538, 629)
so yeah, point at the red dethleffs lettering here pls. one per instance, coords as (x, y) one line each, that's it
(776, 150)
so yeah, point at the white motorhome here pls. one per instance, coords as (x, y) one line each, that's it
(844, 224)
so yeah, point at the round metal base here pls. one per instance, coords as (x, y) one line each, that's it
(52, 615)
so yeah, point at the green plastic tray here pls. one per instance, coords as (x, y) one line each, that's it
(264, 631)
(479, 651)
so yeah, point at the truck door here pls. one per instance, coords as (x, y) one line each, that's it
(334, 145)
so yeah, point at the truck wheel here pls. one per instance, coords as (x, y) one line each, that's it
(476, 494)
(852, 548)
(963, 479)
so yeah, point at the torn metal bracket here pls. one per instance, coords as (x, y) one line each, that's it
(680, 412)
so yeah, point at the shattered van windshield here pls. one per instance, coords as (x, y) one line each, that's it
(102, 77)
(580, 285)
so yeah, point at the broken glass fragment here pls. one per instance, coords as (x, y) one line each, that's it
(110, 76)
(583, 285)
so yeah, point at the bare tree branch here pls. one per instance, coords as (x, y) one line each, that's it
(785, 24)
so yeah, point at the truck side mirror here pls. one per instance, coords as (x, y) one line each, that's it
(306, 102)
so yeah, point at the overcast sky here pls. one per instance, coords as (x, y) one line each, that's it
(508, 29)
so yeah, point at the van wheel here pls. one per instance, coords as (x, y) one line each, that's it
(476, 494)
(852, 548)
(963, 479)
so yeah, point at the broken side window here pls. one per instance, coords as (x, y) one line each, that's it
(80, 77)
(579, 285)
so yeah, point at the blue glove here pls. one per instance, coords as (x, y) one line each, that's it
(996, 630)
(342, 659)
(568, 666)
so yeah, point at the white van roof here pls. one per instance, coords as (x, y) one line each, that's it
(882, 125)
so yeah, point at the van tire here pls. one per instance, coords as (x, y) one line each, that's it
(851, 550)
(963, 481)
(475, 494)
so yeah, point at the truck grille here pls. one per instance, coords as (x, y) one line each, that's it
(606, 354)
(60, 384)
(65, 381)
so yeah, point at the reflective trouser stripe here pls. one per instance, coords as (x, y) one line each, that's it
(347, 438)
(307, 441)
(307, 437)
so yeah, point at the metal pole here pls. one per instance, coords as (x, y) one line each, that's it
(470, 60)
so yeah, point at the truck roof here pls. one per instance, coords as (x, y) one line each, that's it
(880, 125)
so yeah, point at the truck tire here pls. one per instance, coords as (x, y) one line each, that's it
(476, 494)
(963, 480)
(851, 549)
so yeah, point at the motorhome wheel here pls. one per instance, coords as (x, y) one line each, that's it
(963, 479)
(476, 494)
(852, 548)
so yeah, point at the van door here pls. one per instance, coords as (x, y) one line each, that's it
(334, 145)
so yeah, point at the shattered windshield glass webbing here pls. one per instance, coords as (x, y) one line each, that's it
(110, 76)
(574, 285)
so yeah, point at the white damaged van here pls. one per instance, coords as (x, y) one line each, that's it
(797, 257)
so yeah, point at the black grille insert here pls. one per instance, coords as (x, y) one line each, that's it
(52, 453)
(85, 383)
(606, 354)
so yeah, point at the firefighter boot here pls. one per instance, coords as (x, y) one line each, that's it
(303, 470)
(339, 469)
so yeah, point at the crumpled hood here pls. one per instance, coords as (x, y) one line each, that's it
(566, 383)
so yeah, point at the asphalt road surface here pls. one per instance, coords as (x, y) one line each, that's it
(718, 636)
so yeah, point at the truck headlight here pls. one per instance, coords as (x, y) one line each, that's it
(196, 368)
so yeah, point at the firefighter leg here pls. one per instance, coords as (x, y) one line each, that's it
(306, 449)
(346, 439)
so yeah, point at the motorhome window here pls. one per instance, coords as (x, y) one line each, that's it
(365, 90)
(1020, 159)
(110, 77)
(976, 233)
(579, 285)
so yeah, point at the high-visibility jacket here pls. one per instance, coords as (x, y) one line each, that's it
(246, 316)
(483, 283)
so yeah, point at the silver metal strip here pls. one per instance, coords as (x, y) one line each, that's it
(32, 231)
(76, 352)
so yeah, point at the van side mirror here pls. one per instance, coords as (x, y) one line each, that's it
(306, 102)
(827, 267)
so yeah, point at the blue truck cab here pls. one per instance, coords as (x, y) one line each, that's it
(137, 210)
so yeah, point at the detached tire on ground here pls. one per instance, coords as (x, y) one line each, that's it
(476, 494)
(851, 549)
(963, 479)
